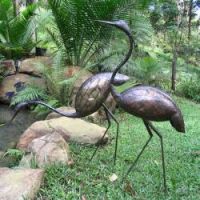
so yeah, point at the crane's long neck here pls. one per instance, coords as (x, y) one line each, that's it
(24, 104)
(128, 55)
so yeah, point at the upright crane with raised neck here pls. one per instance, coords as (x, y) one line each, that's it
(145, 102)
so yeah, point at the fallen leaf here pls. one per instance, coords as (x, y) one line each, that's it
(113, 178)
(129, 189)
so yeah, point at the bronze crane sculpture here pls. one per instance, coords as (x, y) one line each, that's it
(90, 97)
(146, 102)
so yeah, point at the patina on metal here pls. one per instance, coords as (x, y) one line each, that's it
(146, 102)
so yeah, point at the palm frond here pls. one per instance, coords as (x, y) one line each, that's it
(81, 35)
(20, 28)
(16, 31)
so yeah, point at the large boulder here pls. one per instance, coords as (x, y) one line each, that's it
(75, 130)
(11, 84)
(31, 65)
(19, 184)
(49, 149)
(1, 154)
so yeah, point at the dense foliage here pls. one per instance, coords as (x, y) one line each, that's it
(16, 30)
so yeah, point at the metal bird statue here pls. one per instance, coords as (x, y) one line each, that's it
(145, 102)
(89, 98)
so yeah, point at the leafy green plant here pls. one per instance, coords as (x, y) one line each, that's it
(190, 88)
(32, 93)
(28, 93)
(42, 20)
(149, 70)
(77, 32)
(16, 31)
(146, 68)
(15, 154)
(58, 86)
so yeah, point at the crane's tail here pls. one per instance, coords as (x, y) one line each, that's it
(34, 102)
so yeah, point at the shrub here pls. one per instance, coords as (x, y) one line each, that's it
(190, 88)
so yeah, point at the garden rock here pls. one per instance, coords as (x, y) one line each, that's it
(75, 130)
(49, 149)
(27, 161)
(8, 66)
(14, 83)
(1, 154)
(31, 65)
(19, 184)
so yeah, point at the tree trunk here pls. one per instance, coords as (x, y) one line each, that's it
(190, 19)
(15, 7)
(173, 78)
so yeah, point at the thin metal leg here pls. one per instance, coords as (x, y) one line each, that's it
(117, 136)
(146, 123)
(109, 123)
(162, 151)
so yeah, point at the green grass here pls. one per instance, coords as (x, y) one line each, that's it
(87, 180)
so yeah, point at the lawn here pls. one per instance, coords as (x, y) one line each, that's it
(89, 180)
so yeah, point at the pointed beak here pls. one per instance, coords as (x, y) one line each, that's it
(121, 24)
(106, 22)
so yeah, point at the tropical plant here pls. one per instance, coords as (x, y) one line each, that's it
(29, 93)
(15, 155)
(76, 30)
(32, 92)
(16, 31)
(190, 88)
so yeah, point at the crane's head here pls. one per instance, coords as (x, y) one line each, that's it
(121, 24)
